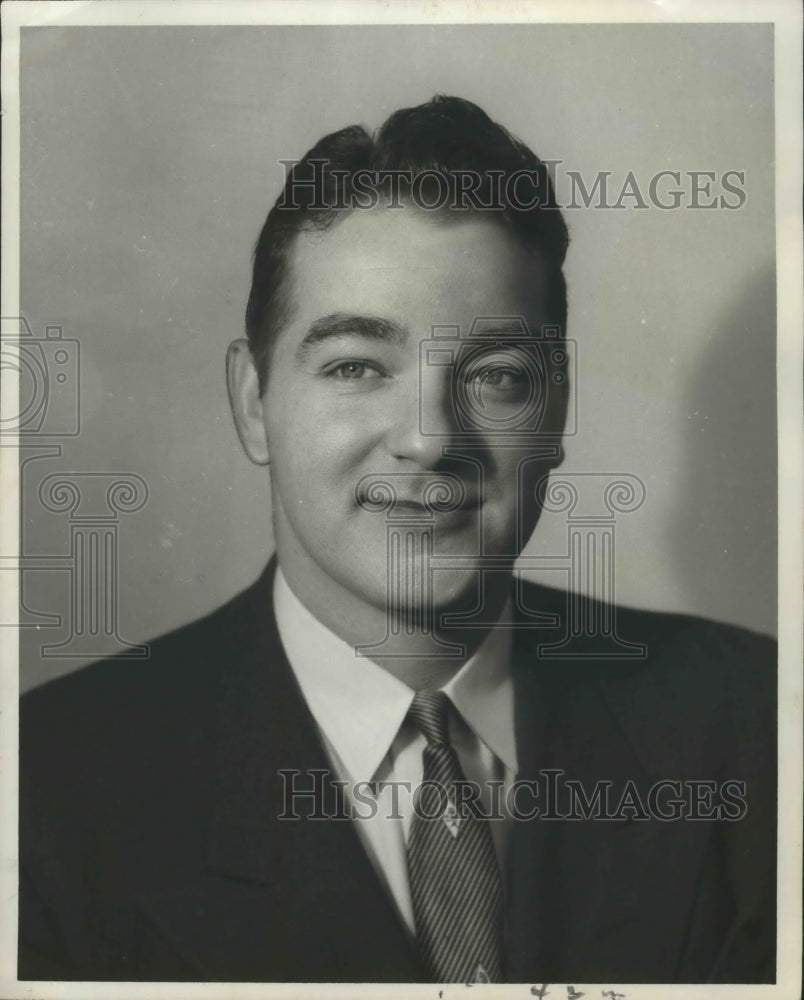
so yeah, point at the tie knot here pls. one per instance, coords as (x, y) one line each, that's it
(429, 712)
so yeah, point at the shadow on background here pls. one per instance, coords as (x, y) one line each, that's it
(727, 512)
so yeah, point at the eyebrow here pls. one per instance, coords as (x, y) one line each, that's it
(514, 325)
(339, 325)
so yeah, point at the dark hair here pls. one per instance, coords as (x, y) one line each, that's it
(447, 136)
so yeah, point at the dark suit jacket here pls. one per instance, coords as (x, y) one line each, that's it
(151, 848)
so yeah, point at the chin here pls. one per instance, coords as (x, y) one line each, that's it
(413, 581)
(454, 590)
(409, 593)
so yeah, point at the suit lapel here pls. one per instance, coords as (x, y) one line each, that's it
(593, 900)
(280, 899)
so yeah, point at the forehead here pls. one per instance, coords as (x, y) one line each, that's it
(415, 268)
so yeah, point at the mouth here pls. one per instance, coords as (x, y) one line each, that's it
(465, 505)
(414, 511)
(444, 496)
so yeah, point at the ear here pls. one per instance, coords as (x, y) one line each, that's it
(556, 460)
(558, 404)
(246, 402)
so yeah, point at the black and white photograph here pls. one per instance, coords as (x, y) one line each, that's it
(401, 476)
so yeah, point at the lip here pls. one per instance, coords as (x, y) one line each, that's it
(416, 506)
(457, 512)
(422, 499)
(468, 505)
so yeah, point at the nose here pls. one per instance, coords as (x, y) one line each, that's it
(425, 420)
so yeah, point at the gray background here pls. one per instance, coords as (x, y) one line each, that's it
(149, 159)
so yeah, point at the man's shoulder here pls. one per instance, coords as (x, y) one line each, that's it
(659, 639)
(683, 688)
(123, 701)
(171, 653)
(660, 659)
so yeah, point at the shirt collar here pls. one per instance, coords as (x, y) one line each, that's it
(360, 707)
(483, 691)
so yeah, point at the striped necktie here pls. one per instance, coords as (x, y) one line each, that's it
(452, 866)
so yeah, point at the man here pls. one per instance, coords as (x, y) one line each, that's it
(387, 760)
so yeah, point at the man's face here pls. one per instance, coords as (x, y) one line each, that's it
(350, 399)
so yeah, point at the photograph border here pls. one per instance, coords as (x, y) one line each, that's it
(786, 15)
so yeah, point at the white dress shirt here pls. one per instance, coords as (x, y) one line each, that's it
(360, 711)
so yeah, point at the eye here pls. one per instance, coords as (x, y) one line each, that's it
(499, 376)
(353, 371)
(504, 377)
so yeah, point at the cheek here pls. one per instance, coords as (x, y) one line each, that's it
(510, 492)
(315, 453)
(503, 482)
